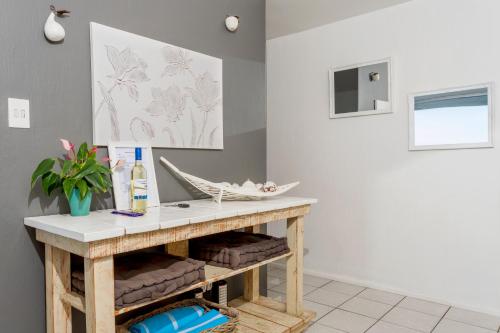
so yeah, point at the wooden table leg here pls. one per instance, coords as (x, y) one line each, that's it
(180, 248)
(57, 282)
(99, 295)
(251, 278)
(294, 266)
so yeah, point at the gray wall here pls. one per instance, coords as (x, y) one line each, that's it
(56, 79)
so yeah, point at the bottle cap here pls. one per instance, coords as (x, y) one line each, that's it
(138, 154)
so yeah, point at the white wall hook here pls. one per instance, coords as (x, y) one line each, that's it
(54, 31)
(232, 23)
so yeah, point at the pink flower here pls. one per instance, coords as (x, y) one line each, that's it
(67, 145)
(93, 150)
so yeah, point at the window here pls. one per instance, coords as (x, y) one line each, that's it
(451, 119)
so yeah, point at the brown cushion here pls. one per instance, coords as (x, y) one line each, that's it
(237, 249)
(147, 276)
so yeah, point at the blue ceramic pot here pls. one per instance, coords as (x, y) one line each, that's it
(78, 206)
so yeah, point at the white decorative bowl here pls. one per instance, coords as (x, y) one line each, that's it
(221, 191)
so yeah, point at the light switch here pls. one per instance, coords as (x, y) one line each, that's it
(19, 113)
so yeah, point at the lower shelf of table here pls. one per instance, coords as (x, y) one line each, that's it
(268, 316)
(212, 274)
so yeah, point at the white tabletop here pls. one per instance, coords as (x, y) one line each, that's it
(103, 225)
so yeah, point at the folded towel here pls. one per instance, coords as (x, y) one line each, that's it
(211, 319)
(145, 277)
(169, 321)
(237, 249)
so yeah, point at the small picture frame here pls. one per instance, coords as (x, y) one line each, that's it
(121, 176)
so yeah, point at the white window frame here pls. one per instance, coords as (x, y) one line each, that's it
(411, 105)
(331, 79)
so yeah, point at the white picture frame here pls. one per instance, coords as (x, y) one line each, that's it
(388, 104)
(145, 90)
(121, 176)
(411, 119)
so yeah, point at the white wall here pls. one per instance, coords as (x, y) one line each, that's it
(287, 16)
(422, 223)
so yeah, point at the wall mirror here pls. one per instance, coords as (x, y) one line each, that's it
(451, 119)
(359, 90)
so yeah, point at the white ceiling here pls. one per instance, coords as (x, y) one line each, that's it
(288, 16)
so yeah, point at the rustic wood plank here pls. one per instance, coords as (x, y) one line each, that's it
(294, 265)
(261, 325)
(180, 248)
(144, 240)
(75, 300)
(251, 278)
(57, 282)
(99, 295)
(60, 242)
(133, 242)
(260, 311)
(307, 316)
(244, 329)
(212, 274)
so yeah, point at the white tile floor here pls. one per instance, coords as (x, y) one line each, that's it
(347, 308)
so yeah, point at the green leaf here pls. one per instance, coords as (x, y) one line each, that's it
(55, 186)
(68, 186)
(109, 183)
(88, 168)
(92, 180)
(100, 183)
(101, 180)
(44, 167)
(66, 167)
(83, 152)
(83, 187)
(49, 182)
(103, 169)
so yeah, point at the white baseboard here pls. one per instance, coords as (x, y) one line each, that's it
(387, 288)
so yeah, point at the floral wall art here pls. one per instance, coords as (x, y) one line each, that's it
(149, 91)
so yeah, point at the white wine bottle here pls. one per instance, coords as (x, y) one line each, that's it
(139, 185)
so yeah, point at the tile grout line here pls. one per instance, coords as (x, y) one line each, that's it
(402, 307)
(338, 307)
(393, 307)
(316, 288)
(356, 295)
(283, 280)
(335, 307)
(330, 281)
(440, 320)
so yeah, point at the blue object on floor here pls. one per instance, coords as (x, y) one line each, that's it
(211, 319)
(170, 321)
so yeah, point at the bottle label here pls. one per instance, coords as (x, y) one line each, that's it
(140, 189)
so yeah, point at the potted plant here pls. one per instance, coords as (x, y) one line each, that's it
(79, 176)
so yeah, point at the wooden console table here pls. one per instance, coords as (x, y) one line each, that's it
(101, 235)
